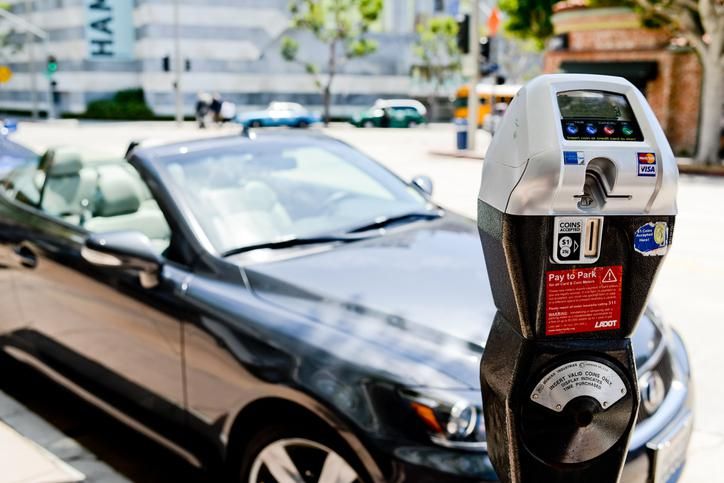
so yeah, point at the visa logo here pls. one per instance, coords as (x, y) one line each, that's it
(647, 170)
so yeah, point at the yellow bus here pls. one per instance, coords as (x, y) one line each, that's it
(503, 93)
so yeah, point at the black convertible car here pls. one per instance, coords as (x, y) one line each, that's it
(280, 307)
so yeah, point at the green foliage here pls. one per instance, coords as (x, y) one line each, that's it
(529, 19)
(343, 22)
(289, 49)
(436, 49)
(125, 105)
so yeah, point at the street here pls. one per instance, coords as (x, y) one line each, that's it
(688, 289)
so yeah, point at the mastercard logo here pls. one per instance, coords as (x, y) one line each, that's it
(647, 158)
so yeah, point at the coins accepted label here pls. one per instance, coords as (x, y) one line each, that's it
(576, 239)
(583, 300)
(579, 378)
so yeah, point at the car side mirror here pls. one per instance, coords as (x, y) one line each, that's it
(125, 250)
(423, 183)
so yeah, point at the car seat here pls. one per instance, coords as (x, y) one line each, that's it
(67, 187)
(247, 214)
(119, 205)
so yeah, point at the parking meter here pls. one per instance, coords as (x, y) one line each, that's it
(575, 214)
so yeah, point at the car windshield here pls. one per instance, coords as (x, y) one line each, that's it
(267, 190)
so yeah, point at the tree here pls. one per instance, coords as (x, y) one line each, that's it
(700, 22)
(437, 53)
(529, 19)
(10, 40)
(343, 26)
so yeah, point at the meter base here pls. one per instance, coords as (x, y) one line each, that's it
(579, 441)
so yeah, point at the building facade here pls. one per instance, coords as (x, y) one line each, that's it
(612, 41)
(227, 46)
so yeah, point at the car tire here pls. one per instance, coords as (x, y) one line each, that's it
(303, 450)
(255, 124)
(302, 124)
(412, 124)
(368, 124)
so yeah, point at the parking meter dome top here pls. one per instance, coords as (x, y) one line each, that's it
(528, 169)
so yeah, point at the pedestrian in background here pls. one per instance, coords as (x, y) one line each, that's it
(203, 105)
(215, 107)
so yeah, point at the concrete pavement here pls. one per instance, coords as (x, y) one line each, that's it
(34, 451)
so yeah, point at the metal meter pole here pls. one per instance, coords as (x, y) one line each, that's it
(473, 100)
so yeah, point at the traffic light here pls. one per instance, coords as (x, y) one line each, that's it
(485, 49)
(464, 33)
(51, 66)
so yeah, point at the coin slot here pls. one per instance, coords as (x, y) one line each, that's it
(593, 235)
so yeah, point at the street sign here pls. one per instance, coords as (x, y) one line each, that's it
(493, 22)
(5, 74)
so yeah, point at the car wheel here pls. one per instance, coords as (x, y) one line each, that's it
(303, 124)
(368, 124)
(255, 124)
(279, 454)
(412, 124)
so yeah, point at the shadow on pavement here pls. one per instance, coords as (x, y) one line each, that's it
(128, 452)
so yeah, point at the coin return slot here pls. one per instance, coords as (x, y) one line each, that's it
(593, 235)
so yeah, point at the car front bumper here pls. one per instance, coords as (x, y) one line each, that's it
(657, 450)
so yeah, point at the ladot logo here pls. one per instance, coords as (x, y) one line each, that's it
(605, 324)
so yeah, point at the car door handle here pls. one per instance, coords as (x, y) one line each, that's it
(25, 256)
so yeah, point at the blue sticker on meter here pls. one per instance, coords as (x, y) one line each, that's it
(652, 239)
(573, 157)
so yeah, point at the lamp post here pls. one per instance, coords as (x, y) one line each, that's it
(473, 100)
(177, 64)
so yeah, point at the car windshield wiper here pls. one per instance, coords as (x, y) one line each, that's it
(384, 221)
(293, 242)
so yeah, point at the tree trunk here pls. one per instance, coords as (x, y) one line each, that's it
(332, 70)
(327, 100)
(711, 110)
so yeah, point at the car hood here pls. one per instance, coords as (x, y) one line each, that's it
(420, 292)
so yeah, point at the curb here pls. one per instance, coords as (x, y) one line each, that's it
(460, 154)
(697, 169)
(52, 445)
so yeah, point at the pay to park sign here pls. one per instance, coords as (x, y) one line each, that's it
(109, 29)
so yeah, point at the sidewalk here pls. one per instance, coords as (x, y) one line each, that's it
(22, 461)
(33, 451)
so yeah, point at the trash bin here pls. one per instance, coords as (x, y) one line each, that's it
(461, 131)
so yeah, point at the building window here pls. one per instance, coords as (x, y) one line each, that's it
(439, 6)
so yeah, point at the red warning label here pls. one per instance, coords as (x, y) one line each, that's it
(583, 300)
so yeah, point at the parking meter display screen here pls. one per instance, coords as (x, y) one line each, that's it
(597, 116)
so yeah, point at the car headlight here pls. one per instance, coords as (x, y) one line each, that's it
(456, 424)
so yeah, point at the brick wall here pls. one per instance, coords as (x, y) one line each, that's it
(618, 39)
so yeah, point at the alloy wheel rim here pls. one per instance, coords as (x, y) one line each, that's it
(299, 460)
